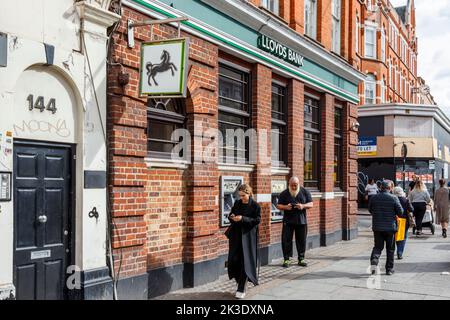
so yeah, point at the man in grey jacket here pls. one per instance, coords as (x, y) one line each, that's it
(384, 208)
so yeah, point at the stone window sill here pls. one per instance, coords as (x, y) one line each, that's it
(166, 163)
(236, 167)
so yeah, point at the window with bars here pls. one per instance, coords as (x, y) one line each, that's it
(271, 5)
(311, 143)
(311, 18)
(338, 132)
(336, 32)
(164, 117)
(234, 114)
(279, 125)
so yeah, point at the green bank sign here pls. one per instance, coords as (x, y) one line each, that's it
(281, 51)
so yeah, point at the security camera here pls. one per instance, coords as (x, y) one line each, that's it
(355, 126)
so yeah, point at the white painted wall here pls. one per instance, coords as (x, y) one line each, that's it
(30, 24)
(408, 126)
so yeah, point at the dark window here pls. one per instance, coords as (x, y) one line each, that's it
(164, 117)
(279, 126)
(338, 148)
(234, 113)
(311, 141)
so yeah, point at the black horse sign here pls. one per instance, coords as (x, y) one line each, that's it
(163, 68)
(165, 65)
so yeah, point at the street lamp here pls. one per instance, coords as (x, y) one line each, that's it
(404, 154)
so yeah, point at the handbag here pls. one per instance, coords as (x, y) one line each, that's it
(401, 226)
(427, 216)
(227, 232)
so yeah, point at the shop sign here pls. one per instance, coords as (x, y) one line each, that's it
(164, 68)
(367, 146)
(281, 51)
(432, 165)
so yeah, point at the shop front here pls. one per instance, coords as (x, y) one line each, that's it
(294, 103)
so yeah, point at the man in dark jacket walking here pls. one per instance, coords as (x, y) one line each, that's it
(384, 208)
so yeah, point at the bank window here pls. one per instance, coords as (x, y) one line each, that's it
(336, 32)
(370, 44)
(234, 114)
(164, 117)
(279, 125)
(311, 142)
(311, 18)
(338, 121)
(271, 5)
(370, 86)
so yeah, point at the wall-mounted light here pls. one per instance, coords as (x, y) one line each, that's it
(355, 126)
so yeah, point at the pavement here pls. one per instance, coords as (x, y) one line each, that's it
(342, 272)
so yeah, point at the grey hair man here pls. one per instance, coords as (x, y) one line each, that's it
(294, 201)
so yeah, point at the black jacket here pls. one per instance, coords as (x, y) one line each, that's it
(243, 240)
(384, 208)
(295, 216)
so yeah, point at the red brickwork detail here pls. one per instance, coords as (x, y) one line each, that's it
(296, 101)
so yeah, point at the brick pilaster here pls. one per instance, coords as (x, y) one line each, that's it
(296, 101)
(328, 216)
(324, 23)
(297, 16)
(261, 121)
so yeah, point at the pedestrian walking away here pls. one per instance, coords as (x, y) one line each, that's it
(245, 217)
(294, 201)
(419, 197)
(408, 210)
(384, 207)
(441, 206)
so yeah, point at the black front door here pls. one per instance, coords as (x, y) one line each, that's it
(41, 220)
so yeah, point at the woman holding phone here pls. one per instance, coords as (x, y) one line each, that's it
(243, 240)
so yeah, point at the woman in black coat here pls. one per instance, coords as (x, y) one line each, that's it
(243, 240)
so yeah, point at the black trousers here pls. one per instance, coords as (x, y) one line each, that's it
(419, 212)
(287, 233)
(382, 237)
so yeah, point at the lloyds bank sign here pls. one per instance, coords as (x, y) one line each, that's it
(281, 51)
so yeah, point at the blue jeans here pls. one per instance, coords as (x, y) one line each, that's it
(401, 244)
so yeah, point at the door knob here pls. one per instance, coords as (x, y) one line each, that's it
(42, 219)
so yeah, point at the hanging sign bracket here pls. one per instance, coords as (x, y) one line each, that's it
(131, 25)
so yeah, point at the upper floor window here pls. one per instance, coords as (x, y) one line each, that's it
(383, 45)
(311, 18)
(336, 36)
(271, 5)
(357, 36)
(370, 86)
(370, 45)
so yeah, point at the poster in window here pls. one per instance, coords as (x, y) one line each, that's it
(228, 195)
(164, 68)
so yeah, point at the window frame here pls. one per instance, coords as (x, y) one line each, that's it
(372, 83)
(167, 118)
(312, 184)
(338, 136)
(336, 26)
(311, 24)
(283, 156)
(372, 30)
(226, 110)
(267, 4)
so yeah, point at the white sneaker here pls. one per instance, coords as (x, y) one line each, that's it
(240, 295)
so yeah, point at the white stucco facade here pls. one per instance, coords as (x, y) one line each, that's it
(80, 116)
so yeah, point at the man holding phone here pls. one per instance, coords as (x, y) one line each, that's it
(294, 201)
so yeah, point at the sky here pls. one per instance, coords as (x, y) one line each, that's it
(433, 32)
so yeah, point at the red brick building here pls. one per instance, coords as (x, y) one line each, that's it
(386, 51)
(169, 216)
